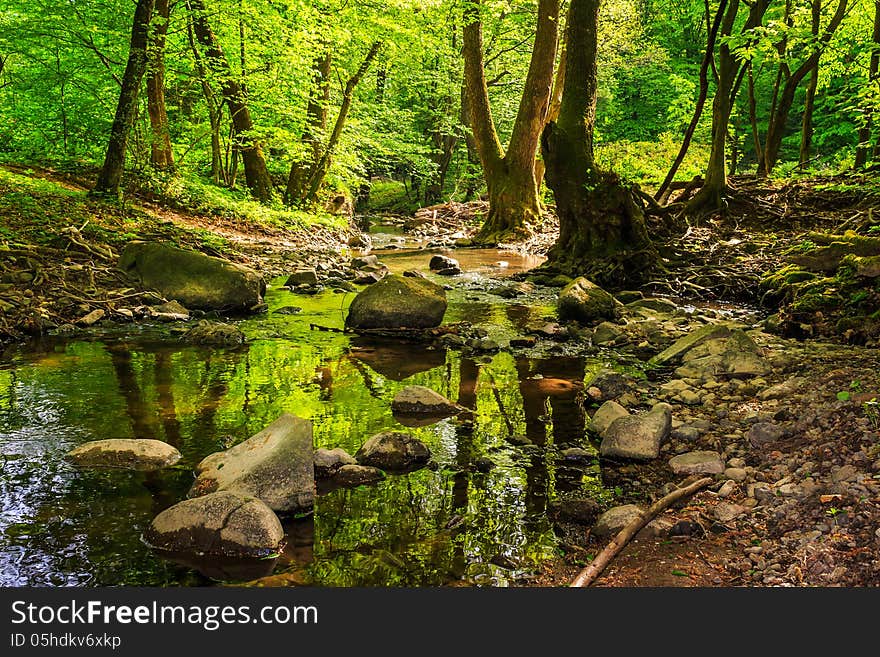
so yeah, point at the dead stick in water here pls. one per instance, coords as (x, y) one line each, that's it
(589, 574)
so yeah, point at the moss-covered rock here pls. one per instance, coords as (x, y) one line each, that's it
(398, 302)
(194, 279)
(585, 302)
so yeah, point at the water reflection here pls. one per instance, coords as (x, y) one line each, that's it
(63, 526)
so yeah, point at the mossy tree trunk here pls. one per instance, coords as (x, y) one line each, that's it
(510, 176)
(255, 172)
(110, 176)
(602, 232)
(161, 155)
(864, 147)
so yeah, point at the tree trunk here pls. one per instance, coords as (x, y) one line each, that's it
(779, 117)
(753, 118)
(214, 109)
(812, 85)
(865, 130)
(255, 171)
(110, 176)
(553, 112)
(711, 194)
(602, 232)
(316, 126)
(708, 57)
(161, 155)
(322, 165)
(510, 177)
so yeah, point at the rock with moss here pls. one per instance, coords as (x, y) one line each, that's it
(398, 302)
(129, 454)
(585, 302)
(194, 279)
(677, 350)
(637, 436)
(221, 524)
(220, 334)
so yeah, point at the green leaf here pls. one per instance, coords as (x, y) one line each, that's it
(843, 395)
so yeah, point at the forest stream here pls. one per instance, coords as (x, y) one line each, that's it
(68, 526)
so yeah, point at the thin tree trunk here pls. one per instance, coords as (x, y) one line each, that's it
(812, 85)
(255, 171)
(316, 126)
(214, 109)
(865, 130)
(602, 231)
(710, 196)
(708, 57)
(510, 177)
(110, 176)
(161, 155)
(753, 117)
(322, 165)
(778, 119)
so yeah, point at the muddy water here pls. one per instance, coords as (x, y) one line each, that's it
(64, 526)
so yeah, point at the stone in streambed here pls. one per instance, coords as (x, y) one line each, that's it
(585, 302)
(394, 451)
(305, 276)
(419, 400)
(275, 465)
(328, 461)
(638, 436)
(398, 302)
(222, 524)
(130, 454)
(606, 415)
(357, 475)
(700, 462)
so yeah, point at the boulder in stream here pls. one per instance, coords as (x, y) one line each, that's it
(394, 451)
(275, 465)
(129, 454)
(419, 400)
(397, 302)
(585, 302)
(223, 524)
(357, 475)
(328, 461)
(194, 279)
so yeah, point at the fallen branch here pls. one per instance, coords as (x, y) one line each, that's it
(589, 574)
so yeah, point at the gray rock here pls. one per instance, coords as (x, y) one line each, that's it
(91, 318)
(638, 436)
(782, 390)
(394, 451)
(364, 261)
(442, 264)
(727, 489)
(615, 519)
(701, 462)
(223, 524)
(736, 474)
(585, 302)
(306, 276)
(725, 511)
(420, 400)
(607, 333)
(763, 433)
(194, 279)
(681, 346)
(736, 356)
(328, 461)
(844, 473)
(275, 465)
(357, 475)
(129, 454)
(398, 302)
(606, 414)
(688, 434)
(612, 384)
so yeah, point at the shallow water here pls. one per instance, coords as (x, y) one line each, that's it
(65, 526)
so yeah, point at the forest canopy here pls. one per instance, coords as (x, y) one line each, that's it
(334, 94)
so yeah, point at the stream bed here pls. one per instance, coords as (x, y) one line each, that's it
(60, 525)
